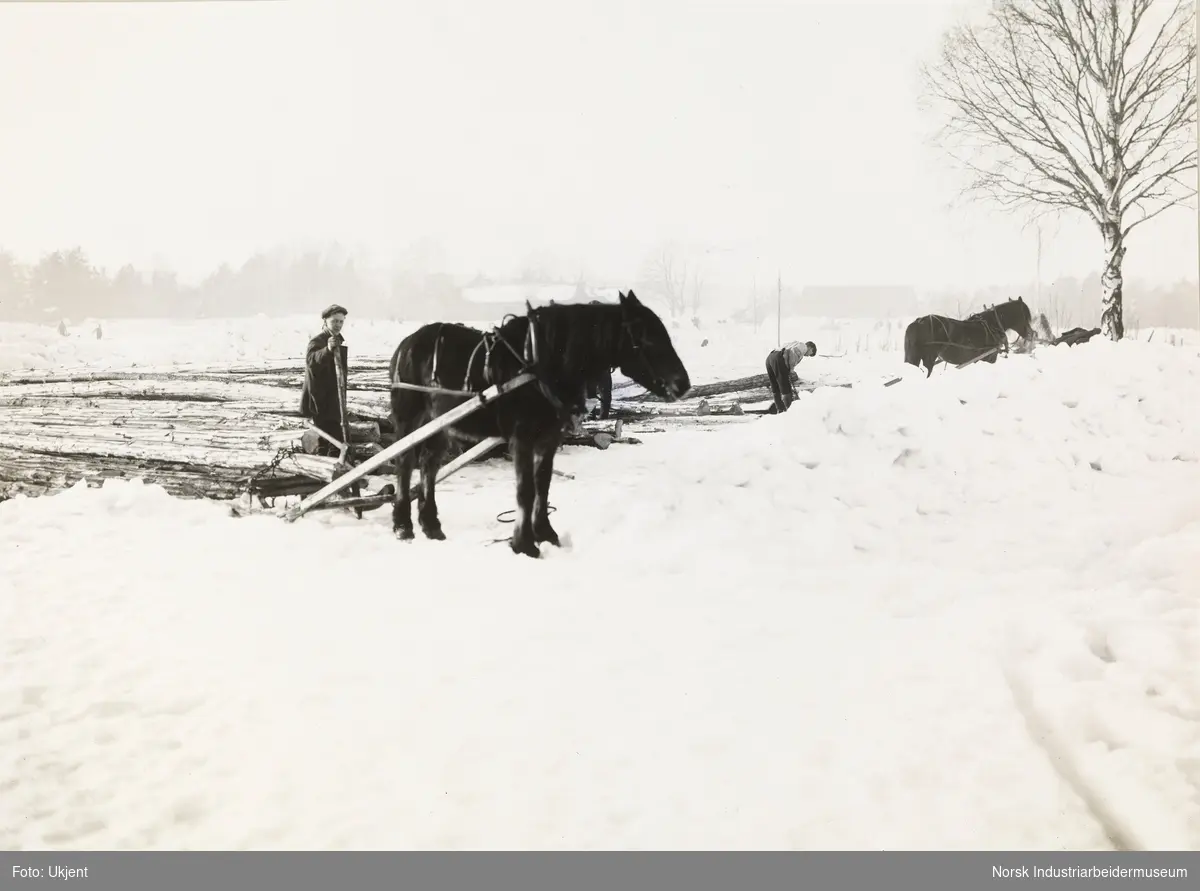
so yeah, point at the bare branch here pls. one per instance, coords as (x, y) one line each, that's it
(1072, 104)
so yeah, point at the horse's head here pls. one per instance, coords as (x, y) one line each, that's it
(645, 353)
(1011, 315)
(1015, 315)
(1024, 317)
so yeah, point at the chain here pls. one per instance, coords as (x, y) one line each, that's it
(268, 469)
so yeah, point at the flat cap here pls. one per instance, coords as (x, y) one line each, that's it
(334, 309)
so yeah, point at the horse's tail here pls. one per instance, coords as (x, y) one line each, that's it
(407, 364)
(912, 345)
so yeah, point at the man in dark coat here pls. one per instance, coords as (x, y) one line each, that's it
(780, 364)
(319, 400)
(600, 387)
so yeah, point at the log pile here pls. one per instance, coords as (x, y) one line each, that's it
(198, 431)
(208, 432)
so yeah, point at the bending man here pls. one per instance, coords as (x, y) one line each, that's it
(780, 364)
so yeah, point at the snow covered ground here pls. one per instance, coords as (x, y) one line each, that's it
(956, 613)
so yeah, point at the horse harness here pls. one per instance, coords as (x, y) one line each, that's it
(529, 359)
(487, 343)
(997, 333)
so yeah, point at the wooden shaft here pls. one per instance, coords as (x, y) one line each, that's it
(476, 451)
(405, 443)
(341, 382)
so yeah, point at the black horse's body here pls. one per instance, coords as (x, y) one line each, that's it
(566, 347)
(933, 338)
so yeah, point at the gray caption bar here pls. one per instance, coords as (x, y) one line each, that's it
(512, 871)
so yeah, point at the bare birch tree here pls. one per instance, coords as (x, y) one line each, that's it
(1086, 105)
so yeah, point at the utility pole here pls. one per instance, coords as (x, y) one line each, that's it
(779, 306)
(1196, 17)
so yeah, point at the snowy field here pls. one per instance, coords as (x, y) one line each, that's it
(959, 613)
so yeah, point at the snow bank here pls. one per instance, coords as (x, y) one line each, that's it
(954, 613)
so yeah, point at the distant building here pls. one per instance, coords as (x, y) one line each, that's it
(489, 300)
(854, 302)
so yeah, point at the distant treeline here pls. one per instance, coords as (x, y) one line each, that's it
(65, 284)
(1071, 302)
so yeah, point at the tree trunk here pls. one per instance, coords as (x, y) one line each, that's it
(1112, 281)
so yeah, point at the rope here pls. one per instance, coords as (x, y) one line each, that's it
(500, 516)
(500, 519)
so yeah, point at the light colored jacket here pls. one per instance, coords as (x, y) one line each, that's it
(793, 352)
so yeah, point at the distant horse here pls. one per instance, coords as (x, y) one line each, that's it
(933, 338)
(600, 387)
(565, 346)
(1011, 315)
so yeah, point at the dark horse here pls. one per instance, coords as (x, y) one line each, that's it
(929, 339)
(565, 346)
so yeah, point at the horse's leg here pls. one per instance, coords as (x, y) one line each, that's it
(605, 395)
(543, 471)
(432, 453)
(522, 454)
(404, 410)
(402, 526)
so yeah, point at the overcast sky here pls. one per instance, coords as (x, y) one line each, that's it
(784, 136)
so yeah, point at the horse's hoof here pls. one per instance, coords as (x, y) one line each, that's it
(404, 534)
(435, 534)
(528, 549)
(549, 536)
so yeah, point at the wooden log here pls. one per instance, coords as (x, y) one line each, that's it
(361, 433)
(412, 439)
(717, 388)
(364, 431)
(675, 410)
(150, 390)
(316, 467)
(86, 423)
(373, 367)
(361, 503)
(233, 395)
(707, 408)
(729, 392)
(38, 474)
(141, 450)
(283, 486)
(597, 440)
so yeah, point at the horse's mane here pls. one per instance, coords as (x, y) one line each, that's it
(573, 340)
(1000, 307)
